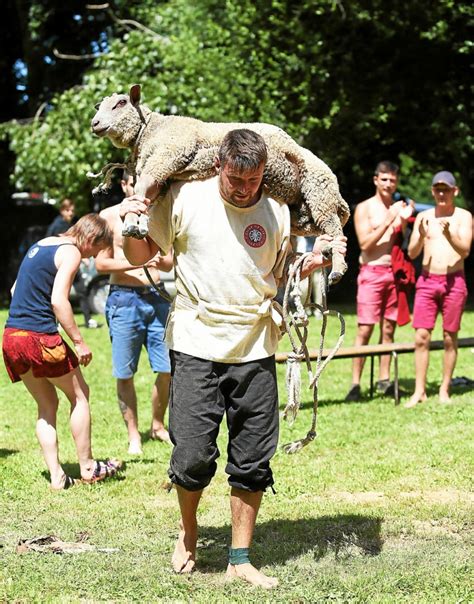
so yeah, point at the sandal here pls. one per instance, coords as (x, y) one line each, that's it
(69, 482)
(102, 470)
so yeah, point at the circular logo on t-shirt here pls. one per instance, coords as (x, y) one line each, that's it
(255, 235)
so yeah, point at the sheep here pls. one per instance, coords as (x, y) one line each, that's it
(171, 147)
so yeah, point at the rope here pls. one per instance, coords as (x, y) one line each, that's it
(107, 172)
(161, 292)
(296, 325)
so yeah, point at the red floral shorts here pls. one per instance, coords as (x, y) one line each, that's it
(47, 355)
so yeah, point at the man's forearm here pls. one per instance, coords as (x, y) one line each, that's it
(65, 316)
(415, 247)
(458, 245)
(312, 262)
(372, 239)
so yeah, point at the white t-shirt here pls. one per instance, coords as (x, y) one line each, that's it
(227, 261)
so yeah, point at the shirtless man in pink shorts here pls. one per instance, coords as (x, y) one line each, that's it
(444, 234)
(375, 221)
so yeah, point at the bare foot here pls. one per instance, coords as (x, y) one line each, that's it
(444, 396)
(249, 573)
(160, 434)
(184, 556)
(415, 399)
(135, 447)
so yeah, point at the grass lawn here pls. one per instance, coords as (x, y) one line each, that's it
(377, 509)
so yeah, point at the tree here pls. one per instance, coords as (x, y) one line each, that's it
(355, 82)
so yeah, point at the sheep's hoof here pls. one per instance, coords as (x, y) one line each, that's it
(142, 226)
(131, 230)
(334, 277)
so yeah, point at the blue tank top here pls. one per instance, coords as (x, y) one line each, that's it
(30, 307)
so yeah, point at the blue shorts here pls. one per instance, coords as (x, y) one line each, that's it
(136, 317)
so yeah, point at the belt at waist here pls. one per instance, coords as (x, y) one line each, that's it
(213, 313)
(141, 290)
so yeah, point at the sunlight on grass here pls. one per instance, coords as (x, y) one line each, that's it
(377, 509)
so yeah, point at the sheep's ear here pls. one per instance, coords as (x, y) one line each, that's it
(135, 92)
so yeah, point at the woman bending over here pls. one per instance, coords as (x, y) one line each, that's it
(35, 353)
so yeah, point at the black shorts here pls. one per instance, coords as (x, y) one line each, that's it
(201, 392)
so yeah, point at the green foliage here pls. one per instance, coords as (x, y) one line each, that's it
(354, 83)
(377, 509)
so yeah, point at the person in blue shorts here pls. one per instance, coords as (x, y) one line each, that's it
(136, 315)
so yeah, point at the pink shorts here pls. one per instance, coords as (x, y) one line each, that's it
(439, 293)
(47, 355)
(376, 294)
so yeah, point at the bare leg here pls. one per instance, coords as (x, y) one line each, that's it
(184, 555)
(449, 363)
(364, 332)
(387, 331)
(159, 400)
(127, 400)
(46, 398)
(422, 358)
(77, 391)
(244, 506)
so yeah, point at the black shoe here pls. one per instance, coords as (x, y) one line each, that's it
(388, 389)
(382, 385)
(354, 393)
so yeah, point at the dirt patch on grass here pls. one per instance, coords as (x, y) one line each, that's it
(440, 496)
(443, 496)
(436, 527)
(362, 497)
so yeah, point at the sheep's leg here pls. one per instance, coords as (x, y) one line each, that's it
(136, 225)
(324, 203)
(130, 226)
(332, 226)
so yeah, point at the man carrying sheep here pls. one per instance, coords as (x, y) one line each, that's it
(231, 249)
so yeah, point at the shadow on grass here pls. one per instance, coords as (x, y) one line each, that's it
(461, 389)
(146, 437)
(278, 541)
(407, 387)
(4, 453)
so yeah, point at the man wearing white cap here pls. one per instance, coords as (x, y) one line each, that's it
(444, 235)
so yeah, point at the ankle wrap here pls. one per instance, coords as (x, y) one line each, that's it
(238, 555)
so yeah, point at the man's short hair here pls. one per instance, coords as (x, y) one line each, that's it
(386, 167)
(66, 204)
(126, 175)
(244, 149)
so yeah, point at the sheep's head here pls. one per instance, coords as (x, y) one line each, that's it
(119, 118)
